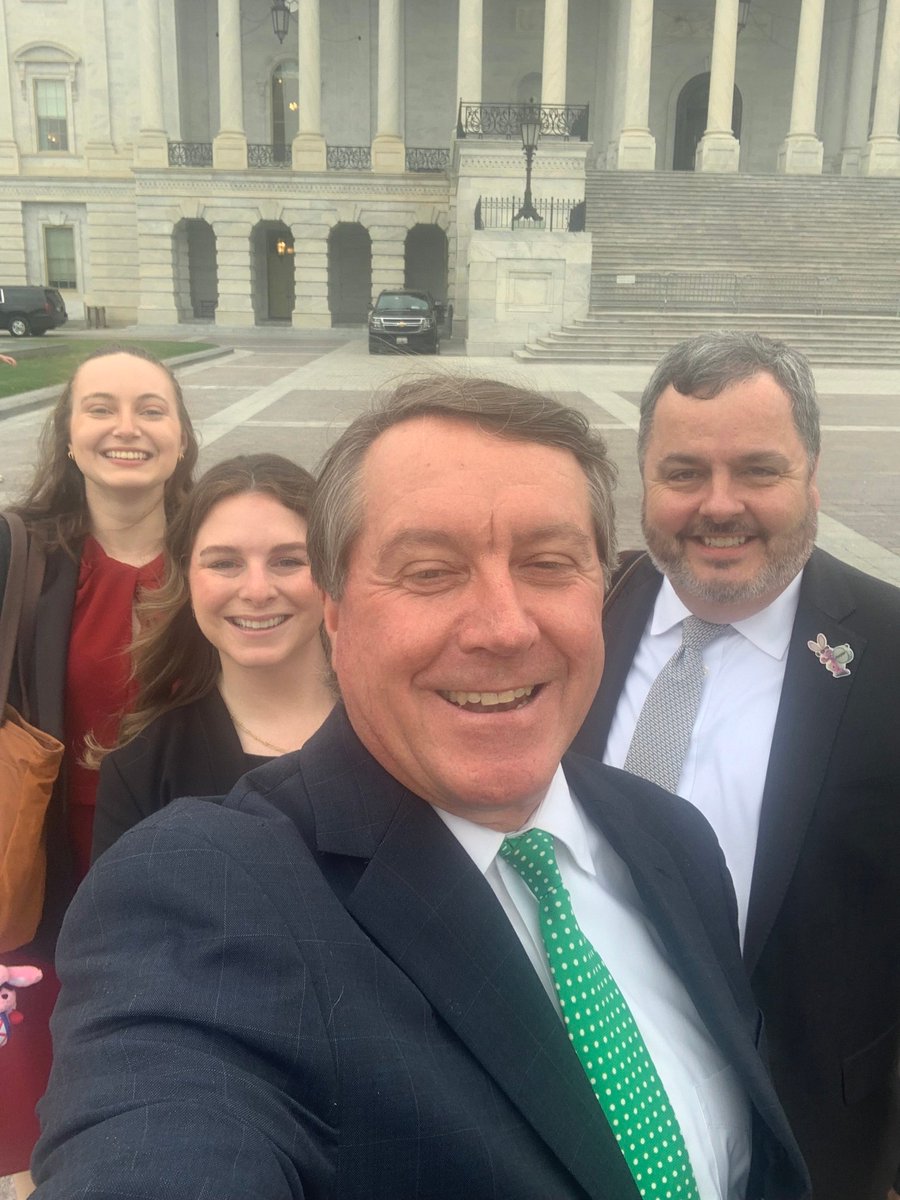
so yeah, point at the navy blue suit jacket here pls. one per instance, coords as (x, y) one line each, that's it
(822, 942)
(311, 991)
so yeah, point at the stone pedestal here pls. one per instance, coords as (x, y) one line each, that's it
(800, 154)
(230, 152)
(309, 152)
(388, 154)
(718, 153)
(9, 158)
(151, 149)
(635, 151)
(881, 157)
(101, 158)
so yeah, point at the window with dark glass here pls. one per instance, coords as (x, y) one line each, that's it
(60, 245)
(50, 110)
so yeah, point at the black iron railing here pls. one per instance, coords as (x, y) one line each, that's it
(505, 120)
(349, 158)
(427, 158)
(762, 291)
(259, 154)
(499, 212)
(190, 154)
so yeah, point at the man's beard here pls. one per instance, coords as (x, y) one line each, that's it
(786, 555)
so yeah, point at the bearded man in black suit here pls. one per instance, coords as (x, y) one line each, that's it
(794, 753)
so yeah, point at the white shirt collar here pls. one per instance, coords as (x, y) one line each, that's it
(769, 630)
(557, 814)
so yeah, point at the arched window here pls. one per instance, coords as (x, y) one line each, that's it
(285, 105)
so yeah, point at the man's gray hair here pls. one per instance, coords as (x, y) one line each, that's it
(506, 410)
(705, 365)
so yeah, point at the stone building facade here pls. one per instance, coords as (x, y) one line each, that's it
(175, 161)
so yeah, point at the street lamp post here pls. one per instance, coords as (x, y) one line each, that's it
(531, 132)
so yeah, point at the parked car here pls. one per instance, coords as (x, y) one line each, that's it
(404, 320)
(28, 310)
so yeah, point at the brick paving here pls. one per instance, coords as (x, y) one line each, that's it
(292, 392)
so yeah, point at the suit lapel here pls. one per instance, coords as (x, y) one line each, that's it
(809, 713)
(625, 617)
(423, 901)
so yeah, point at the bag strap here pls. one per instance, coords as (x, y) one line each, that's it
(19, 612)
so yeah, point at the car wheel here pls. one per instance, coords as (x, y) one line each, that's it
(18, 327)
(374, 347)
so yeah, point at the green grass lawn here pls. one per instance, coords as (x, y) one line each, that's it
(54, 361)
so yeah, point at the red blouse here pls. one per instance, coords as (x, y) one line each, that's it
(98, 686)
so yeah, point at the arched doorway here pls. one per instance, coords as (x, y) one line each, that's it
(285, 93)
(528, 89)
(196, 276)
(690, 120)
(349, 273)
(272, 257)
(425, 260)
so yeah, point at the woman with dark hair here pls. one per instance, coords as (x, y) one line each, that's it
(230, 664)
(115, 462)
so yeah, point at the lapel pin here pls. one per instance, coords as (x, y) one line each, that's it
(833, 658)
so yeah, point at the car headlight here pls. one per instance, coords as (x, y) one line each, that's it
(428, 323)
(376, 322)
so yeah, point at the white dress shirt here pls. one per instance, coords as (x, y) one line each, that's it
(710, 1103)
(724, 770)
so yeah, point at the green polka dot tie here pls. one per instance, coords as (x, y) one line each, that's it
(604, 1033)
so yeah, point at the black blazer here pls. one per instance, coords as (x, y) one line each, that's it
(46, 695)
(191, 751)
(823, 928)
(311, 991)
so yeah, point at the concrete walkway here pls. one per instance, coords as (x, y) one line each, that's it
(292, 392)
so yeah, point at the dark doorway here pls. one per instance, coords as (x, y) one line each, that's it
(690, 120)
(425, 260)
(349, 273)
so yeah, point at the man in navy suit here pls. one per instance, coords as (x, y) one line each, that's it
(335, 982)
(794, 756)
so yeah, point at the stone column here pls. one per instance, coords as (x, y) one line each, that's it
(311, 273)
(230, 143)
(9, 151)
(309, 152)
(719, 150)
(235, 272)
(836, 71)
(388, 256)
(859, 100)
(469, 52)
(99, 150)
(556, 34)
(882, 154)
(388, 150)
(801, 152)
(616, 66)
(151, 147)
(636, 150)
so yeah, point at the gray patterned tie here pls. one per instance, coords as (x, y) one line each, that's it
(663, 731)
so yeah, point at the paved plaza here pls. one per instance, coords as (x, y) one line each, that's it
(292, 393)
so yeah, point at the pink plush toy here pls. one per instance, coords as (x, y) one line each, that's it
(10, 979)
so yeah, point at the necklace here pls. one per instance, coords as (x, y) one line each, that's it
(262, 741)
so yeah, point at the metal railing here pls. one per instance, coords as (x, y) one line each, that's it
(427, 158)
(505, 120)
(499, 212)
(734, 291)
(261, 154)
(349, 158)
(190, 154)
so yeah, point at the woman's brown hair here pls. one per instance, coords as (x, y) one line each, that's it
(54, 507)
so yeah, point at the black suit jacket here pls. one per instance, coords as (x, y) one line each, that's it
(191, 751)
(311, 990)
(823, 928)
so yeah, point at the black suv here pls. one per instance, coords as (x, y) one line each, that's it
(404, 320)
(25, 310)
